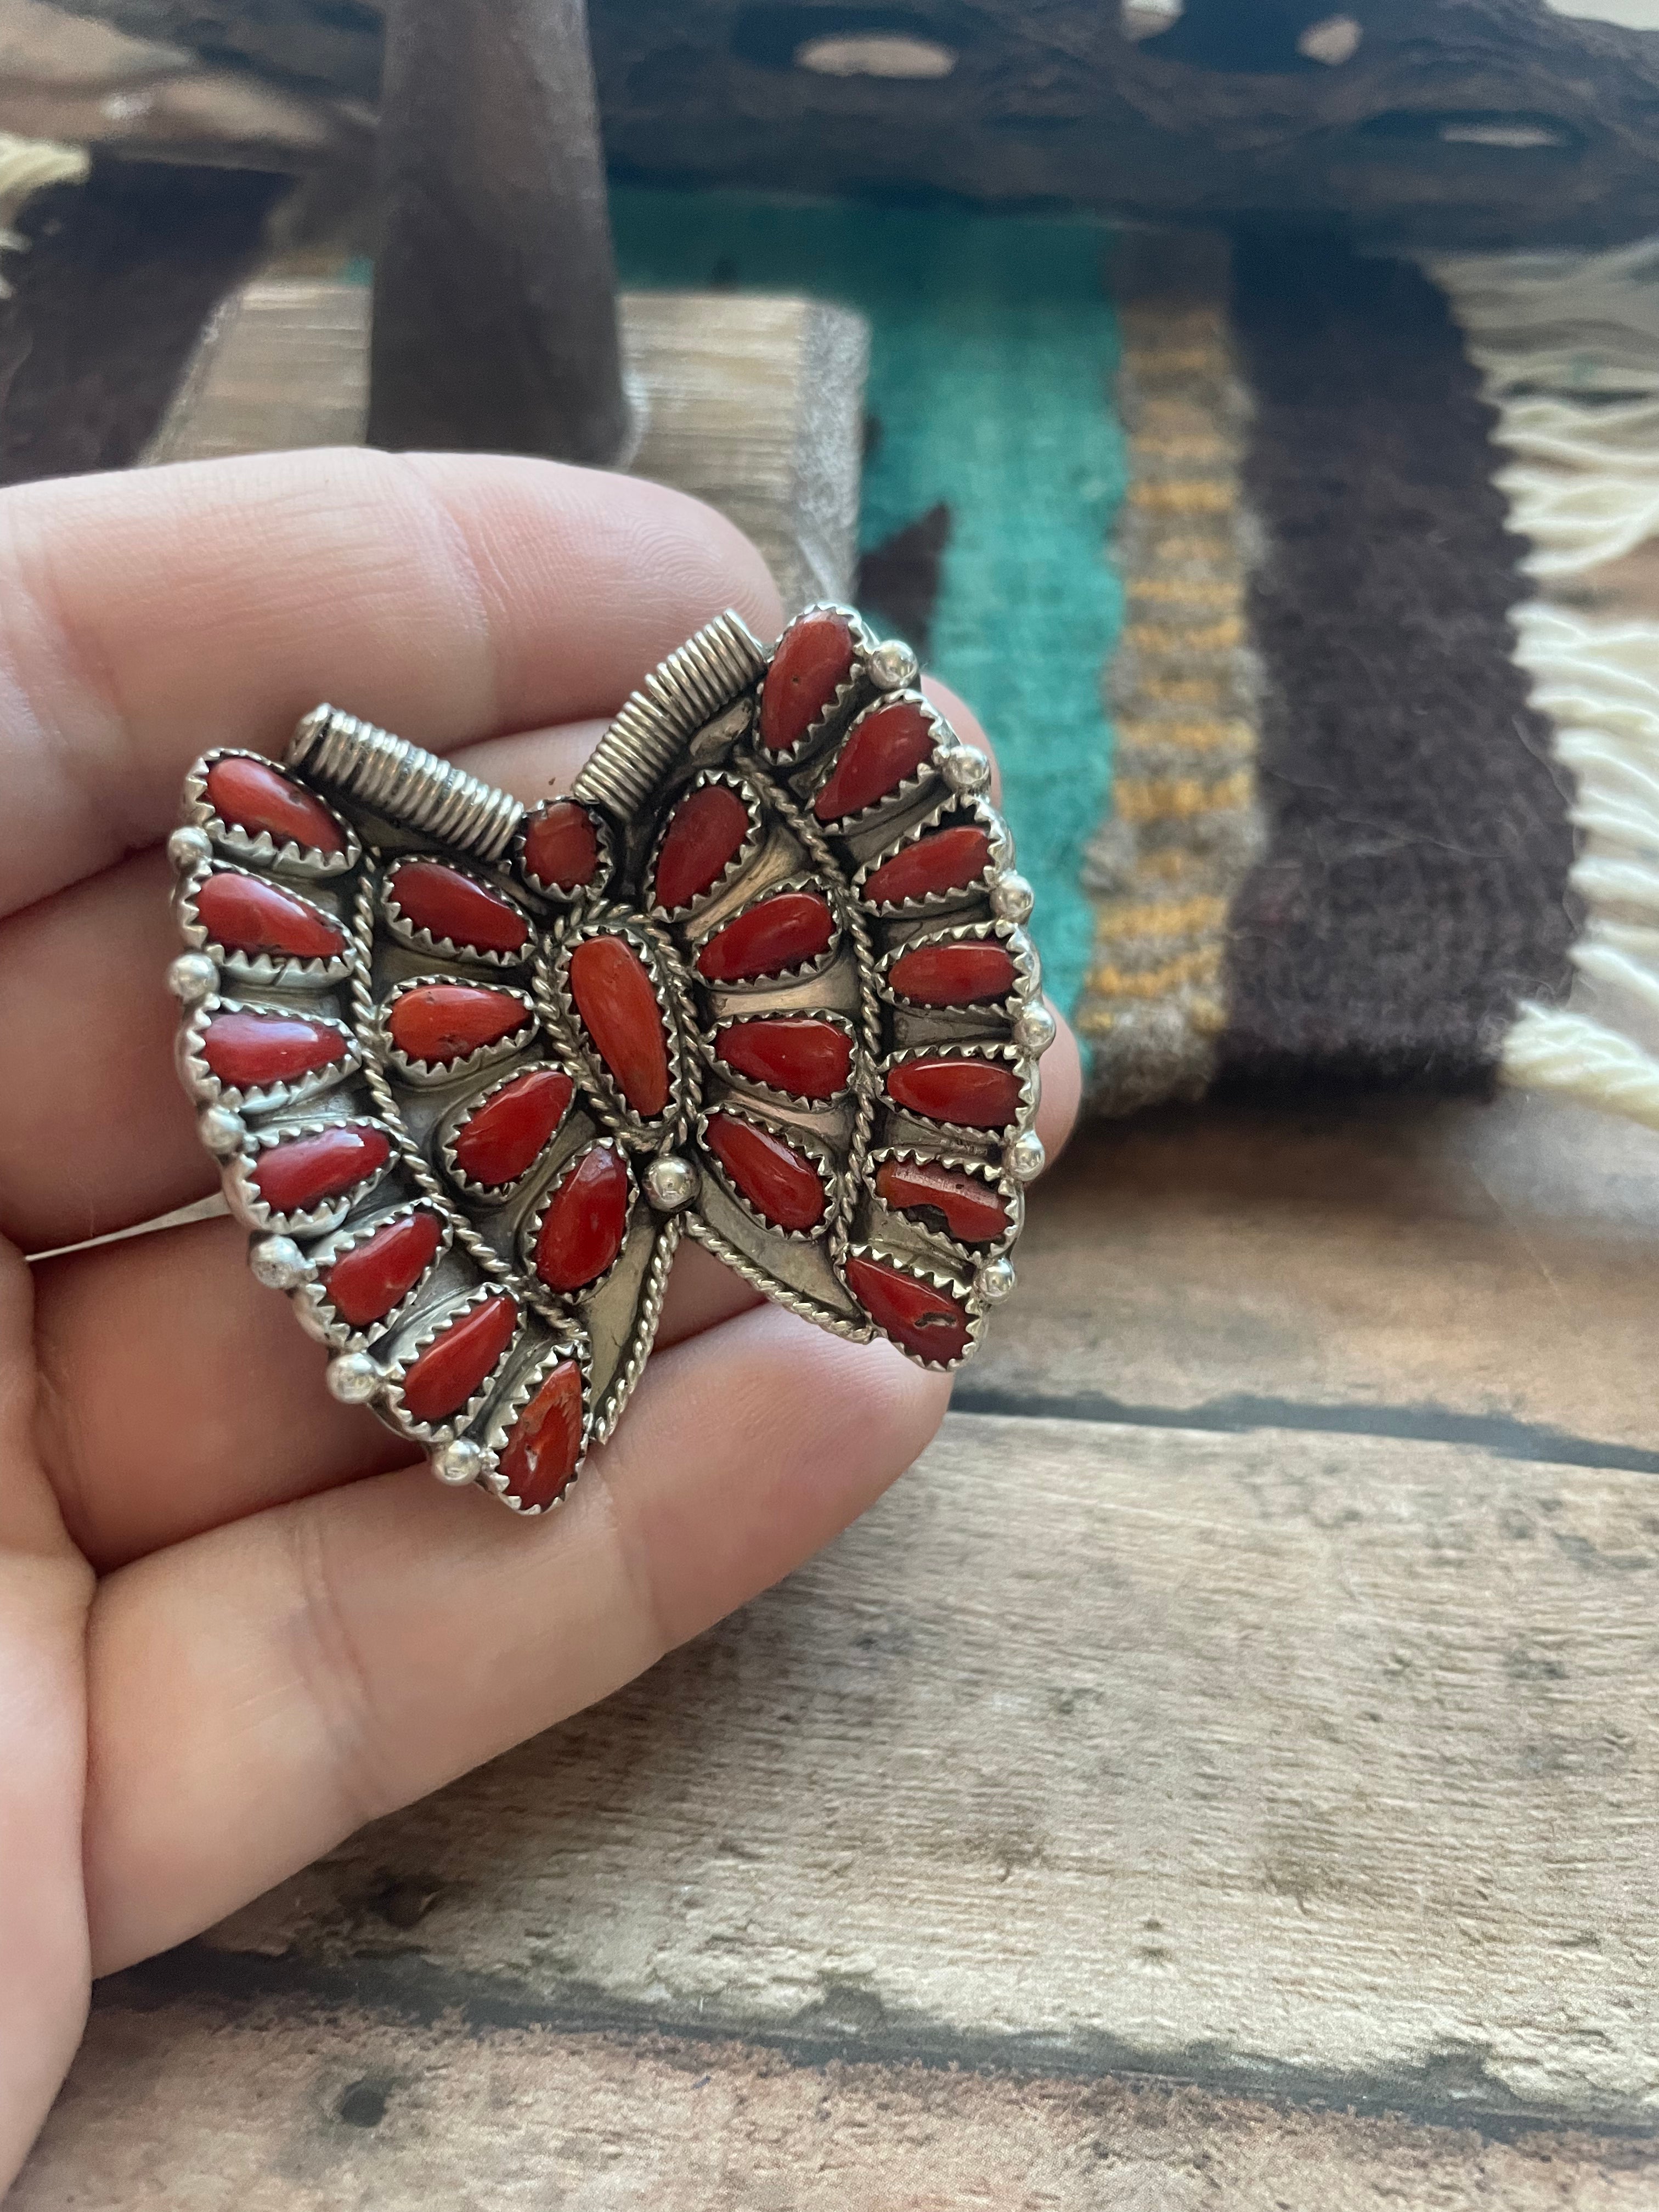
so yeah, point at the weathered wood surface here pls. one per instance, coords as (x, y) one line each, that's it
(373, 2115)
(753, 403)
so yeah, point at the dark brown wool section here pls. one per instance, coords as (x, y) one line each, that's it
(119, 277)
(1414, 883)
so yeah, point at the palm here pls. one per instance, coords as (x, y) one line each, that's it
(234, 1623)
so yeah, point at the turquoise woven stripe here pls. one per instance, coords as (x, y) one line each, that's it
(993, 347)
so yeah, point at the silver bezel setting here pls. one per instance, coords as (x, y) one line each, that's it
(733, 780)
(257, 1214)
(202, 1083)
(261, 849)
(774, 978)
(586, 893)
(512, 1402)
(800, 1140)
(530, 1228)
(261, 967)
(990, 1172)
(497, 1193)
(430, 1074)
(420, 940)
(321, 1318)
(395, 1373)
(722, 1071)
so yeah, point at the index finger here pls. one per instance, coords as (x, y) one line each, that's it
(147, 617)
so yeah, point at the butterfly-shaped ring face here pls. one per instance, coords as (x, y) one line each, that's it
(471, 1071)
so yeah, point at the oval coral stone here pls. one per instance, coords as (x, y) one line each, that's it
(250, 1051)
(617, 1002)
(944, 860)
(811, 1059)
(925, 1321)
(441, 1379)
(303, 1172)
(952, 975)
(539, 1456)
(978, 1094)
(366, 1282)
(971, 1211)
(448, 905)
(814, 659)
(883, 748)
(780, 1184)
(252, 795)
(585, 1221)
(246, 914)
(775, 933)
(561, 845)
(704, 835)
(439, 1022)
(504, 1136)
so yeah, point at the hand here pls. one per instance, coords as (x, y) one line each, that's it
(236, 1622)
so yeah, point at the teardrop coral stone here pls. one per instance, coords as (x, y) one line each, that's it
(780, 1184)
(585, 1221)
(774, 935)
(952, 975)
(250, 1051)
(811, 1059)
(814, 659)
(375, 1275)
(617, 1002)
(978, 1094)
(924, 1321)
(440, 1022)
(561, 845)
(444, 1376)
(885, 746)
(703, 837)
(504, 1136)
(303, 1172)
(971, 1211)
(245, 913)
(539, 1456)
(448, 905)
(252, 795)
(944, 860)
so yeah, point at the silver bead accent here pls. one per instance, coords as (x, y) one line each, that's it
(1034, 1028)
(1012, 898)
(192, 977)
(995, 1280)
(1026, 1157)
(353, 1378)
(670, 1183)
(278, 1263)
(223, 1131)
(188, 847)
(965, 769)
(458, 1462)
(892, 666)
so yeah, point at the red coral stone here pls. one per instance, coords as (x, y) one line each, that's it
(952, 975)
(944, 860)
(371, 1279)
(439, 1022)
(617, 1002)
(773, 934)
(539, 1456)
(972, 1211)
(782, 1184)
(585, 1221)
(302, 1172)
(251, 795)
(447, 903)
(925, 1321)
(706, 833)
(561, 845)
(812, 1059)
(250, 1051)
(445, 1375)
(814, 659)
(245, 913)
(888, 744)
(501, 1138)
(978, 1094)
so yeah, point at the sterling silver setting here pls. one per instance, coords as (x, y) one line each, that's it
(511, 1401)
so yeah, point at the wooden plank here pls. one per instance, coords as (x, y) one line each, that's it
(753, 403)
(1313, 1765)
(280, 2112)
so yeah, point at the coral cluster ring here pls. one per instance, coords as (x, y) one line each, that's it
(471, 1070)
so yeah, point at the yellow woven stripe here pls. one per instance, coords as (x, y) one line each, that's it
(1184, 638)
(1175, 590)
(1201, 966)
(1161, 918)
(1200, 497)
(1177, 445)
(1166, 798)
(1204, 736)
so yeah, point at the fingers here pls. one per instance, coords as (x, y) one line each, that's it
(261, 1691)
(147, 616)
